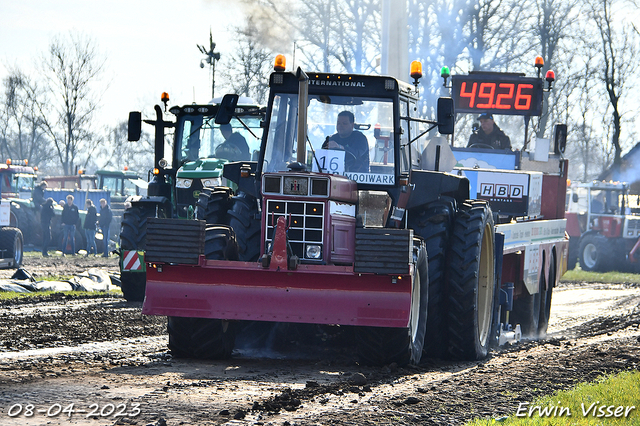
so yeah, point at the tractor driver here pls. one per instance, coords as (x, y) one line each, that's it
(351, 141)
(235, 147)
(489, 135)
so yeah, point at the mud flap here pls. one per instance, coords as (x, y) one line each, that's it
(495, 321)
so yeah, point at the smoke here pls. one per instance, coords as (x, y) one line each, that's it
(270, 22)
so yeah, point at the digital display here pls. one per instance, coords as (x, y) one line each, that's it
(507, 94)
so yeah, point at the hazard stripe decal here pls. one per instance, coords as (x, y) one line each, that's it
(133, 260)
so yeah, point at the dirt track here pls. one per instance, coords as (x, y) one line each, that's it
(103, 355)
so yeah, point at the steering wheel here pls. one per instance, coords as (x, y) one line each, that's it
(350, 160)
(481, 145)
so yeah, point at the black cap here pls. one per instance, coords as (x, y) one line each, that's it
(485, 116)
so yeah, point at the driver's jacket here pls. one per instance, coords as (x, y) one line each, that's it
(496, 139)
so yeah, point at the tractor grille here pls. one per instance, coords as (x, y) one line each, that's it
(186, 197)
(305, 221)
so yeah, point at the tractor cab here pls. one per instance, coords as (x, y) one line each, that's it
(202, 146)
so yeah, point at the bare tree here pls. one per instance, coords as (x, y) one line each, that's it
(21, 132)
(618, 47)
(116, 152)
(251, 64)
(71, 68)
(330, 35)
(554, 23)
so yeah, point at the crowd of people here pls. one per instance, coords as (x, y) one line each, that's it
(94, 221)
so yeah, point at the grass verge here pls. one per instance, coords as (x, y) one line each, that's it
(611, 399)
(9, 295)
(578, 275)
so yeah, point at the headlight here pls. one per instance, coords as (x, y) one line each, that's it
(211, 182)
(313, 251)
(183, 183)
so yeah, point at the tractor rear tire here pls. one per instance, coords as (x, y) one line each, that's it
(595, 253)
(205, 338)
(244, 219)
(201, 338)
(472, 280)
(213, 204)
(433, 224)
(12, 242)
(133, 236)
(385, 345)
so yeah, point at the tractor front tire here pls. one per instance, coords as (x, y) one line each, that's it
(133, 236)
(201, 338)
(471, 296)
(245, 221)
(595, 253)
(12, 242)
(205, 338)
(213, 204)
(385, 345)
(433, 223)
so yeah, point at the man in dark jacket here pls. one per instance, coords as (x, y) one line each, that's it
(353, 142)
(89, 227)
(489, 134)
(69, 219)
(104, 221)
(46, 214)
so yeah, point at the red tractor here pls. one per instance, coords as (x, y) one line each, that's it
(605, 236)
(343, 228)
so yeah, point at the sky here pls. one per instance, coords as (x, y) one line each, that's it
(149, 46)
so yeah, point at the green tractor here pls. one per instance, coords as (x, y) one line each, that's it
(180, 183)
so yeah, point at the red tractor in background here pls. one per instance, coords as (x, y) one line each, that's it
(605, 236)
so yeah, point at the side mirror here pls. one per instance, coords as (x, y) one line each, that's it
(227, 109)
(445, 116)
(135, 126)
(575, 197)
(560, 138)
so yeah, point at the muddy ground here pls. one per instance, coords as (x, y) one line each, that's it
(98, 361)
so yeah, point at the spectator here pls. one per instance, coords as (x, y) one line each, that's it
(37, 195)
(90, 227)
(69, 219)
(46, 214)
(105, 221)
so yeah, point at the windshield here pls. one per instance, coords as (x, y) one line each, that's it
(199, 137)
(24, 182)
(352, 136)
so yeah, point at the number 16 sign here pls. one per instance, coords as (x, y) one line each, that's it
(330, 160)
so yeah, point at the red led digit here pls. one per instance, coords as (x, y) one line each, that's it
(471, 95)
(482, 93)
(507, 97)
(521, 96)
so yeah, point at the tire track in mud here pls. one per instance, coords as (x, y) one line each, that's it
(302, 385)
